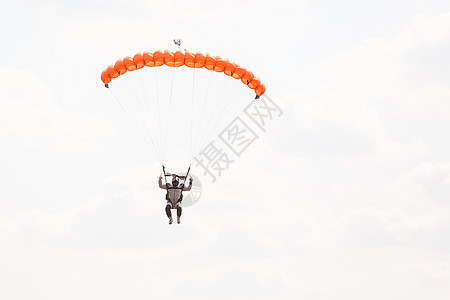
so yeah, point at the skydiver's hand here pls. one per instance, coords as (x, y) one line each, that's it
(191, 179)
(160, 177)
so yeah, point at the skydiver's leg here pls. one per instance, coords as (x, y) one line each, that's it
(178, 206)
(168, 212)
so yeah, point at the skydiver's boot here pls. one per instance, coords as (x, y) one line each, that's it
(171, 220)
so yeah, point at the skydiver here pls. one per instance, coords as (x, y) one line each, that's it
(174, 196)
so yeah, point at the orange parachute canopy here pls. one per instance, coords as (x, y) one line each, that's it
(183, 58)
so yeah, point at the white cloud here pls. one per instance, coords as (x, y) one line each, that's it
(370, 92)
(36, 228)
(28, 111)
(338, 124)
(424, 186)
(424, 272)
(386, 70)
(371, 227)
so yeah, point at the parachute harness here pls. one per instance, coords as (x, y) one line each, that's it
(174, 176)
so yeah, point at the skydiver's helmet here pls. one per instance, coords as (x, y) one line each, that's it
(175, 181)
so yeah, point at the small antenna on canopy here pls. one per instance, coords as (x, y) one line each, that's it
(177, 42)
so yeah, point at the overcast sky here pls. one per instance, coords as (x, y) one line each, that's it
(344, 196)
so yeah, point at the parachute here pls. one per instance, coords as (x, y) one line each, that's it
(180, 58)
(148, 95)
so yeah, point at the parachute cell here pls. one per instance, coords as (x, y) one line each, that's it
(200, 60)
(105, 77)
(260, 90)
(158, 56)
(210, 62)
(229, 69)
(148, 59)
(138, 60)
(239, 72)
(189, 59)
(120, 67)
(112, 71)
(254, 83)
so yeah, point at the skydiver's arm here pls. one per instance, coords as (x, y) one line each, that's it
(160, 184)
(188, 188)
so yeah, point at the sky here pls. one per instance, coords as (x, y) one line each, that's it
(344, 195)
